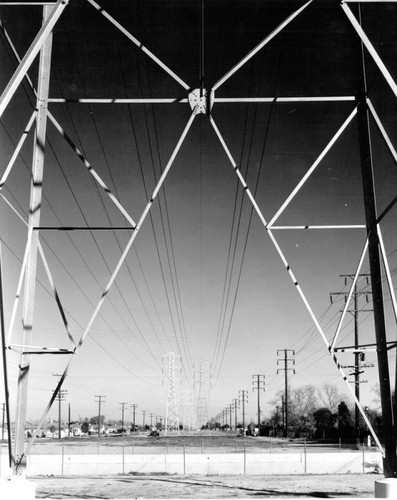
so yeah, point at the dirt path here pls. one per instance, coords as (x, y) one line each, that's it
(122, 487)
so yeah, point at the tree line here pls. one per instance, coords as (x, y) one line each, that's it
(320, 414)
(313, 413)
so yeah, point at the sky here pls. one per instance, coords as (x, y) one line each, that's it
(203, 279)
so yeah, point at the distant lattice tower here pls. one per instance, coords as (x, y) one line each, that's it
(189, 417)
(202, 412)
(172, 418)
(202, 391)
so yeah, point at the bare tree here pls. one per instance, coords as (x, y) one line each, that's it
(330, 396)
(304, 401)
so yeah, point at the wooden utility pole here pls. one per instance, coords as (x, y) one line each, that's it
(99, 400)
(358, 352)
(286, 360)
(258, 384)
(243, 397)
(134, 406)
(236, 403)
(283, 414)
(68, 419)
(61, 396)
(122, 415)
(230, 414)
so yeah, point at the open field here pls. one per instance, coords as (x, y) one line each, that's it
(194, 484)
(204, 442)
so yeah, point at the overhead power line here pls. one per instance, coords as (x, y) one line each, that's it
(235, 228)
(78, 205)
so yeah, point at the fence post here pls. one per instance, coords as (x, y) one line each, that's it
(245, 459)
(305, 457)
(123, 454)
(63, 458)
(184, 459)
(340, 444)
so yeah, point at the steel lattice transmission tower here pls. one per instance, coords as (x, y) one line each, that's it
(171, 418)
(200, 100)
(202, 394)
(189, 416)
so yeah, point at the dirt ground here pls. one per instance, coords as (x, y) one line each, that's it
(196, 486)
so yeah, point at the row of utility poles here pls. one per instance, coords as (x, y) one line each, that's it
(258, 380)
(227, 412)
(286, 361)
(100, 399)
(158, 419)
(258, 384)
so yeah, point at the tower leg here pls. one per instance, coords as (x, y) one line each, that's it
(33, 237)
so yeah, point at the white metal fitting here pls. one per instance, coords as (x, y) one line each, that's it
(201, 101)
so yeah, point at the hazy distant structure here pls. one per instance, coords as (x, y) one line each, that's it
(171, 417)
(189, 415)
(201, 384)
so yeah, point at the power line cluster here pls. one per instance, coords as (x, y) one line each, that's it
(238, 239)
(221, 345)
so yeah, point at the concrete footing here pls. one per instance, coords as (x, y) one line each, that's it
(386, 488)
(17, 487)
